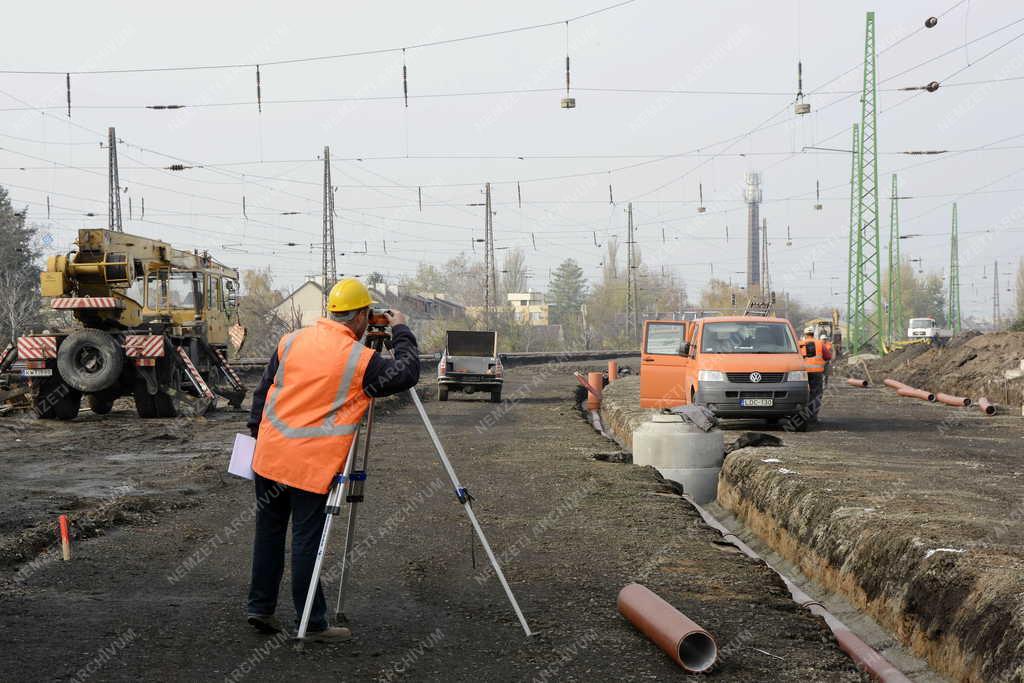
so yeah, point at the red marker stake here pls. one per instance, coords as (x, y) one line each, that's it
(65, 540)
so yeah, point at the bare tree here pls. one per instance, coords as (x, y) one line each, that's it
(513, 271)
(19, 272)
(19, 302)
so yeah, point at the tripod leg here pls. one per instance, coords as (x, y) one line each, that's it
(333, 505)
(350, 527)
(463, 497)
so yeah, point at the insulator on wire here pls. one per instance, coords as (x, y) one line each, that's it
(727, 234)
(165, 106)
(519, 194)
(611, 199)
(405, 80)
(68, 83)
(130, 209)
(384, 243)
(244, 215)
(663, 235)
(533, 239)
(177, 167)
(419, 195)
(595, 239)
(142, 216)
(259, 91)
(932, 87)
(931, 22)
(47, 207)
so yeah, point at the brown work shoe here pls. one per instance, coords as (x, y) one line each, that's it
(265, 623)
(331, 634)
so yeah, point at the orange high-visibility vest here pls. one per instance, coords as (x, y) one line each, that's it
(815, 363)
(314, 407)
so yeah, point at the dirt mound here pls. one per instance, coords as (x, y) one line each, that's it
(970, 364)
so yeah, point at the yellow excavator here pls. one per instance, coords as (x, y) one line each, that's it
(155, 323)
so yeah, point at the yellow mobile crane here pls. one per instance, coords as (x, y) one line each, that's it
(155, 325)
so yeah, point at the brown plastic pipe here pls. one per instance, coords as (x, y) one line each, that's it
(915, 393)
(893, 384)
(684, 641)
(863, 655)
(613, 371)
(854, 382)
(950, 400)
(593, 387)
(986, 407)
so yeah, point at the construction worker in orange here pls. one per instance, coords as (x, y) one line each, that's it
(816, 364)
(305, 414)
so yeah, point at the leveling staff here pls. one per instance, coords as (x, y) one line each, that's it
(305, 414)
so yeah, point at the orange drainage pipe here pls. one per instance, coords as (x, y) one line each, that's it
(593, 388)
(613, 371)
(862, 654)
(911, 392)
(65, 538)
(986, 407)
(689, 645)
(854, 382)
(950, 400)
(893, 384)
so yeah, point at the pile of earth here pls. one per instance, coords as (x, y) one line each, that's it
(970, 364)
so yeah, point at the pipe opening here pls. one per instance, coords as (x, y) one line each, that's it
(697, 651)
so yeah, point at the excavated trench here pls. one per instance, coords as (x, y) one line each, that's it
(873, 508)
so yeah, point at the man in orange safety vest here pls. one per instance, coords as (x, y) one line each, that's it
(305, 414)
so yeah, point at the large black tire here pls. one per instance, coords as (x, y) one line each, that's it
(90, 361)
(496, 396)
(442, 392)
(163, 403)
(55, 400)
(99, 404)
(168, 404)
(144, 405)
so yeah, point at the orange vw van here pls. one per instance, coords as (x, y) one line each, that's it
(736, 366)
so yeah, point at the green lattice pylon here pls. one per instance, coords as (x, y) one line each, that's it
(851, 262)
(867, 319)
(953, 296)
(895, 298)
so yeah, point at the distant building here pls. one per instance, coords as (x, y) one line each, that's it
(303, 307)
(529, 307)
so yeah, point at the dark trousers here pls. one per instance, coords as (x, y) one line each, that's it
(275, 503)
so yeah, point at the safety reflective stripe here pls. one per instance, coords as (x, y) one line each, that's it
(328, 428)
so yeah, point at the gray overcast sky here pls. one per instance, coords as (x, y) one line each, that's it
(650, 44)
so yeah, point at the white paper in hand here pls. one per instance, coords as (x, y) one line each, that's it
(241, 456)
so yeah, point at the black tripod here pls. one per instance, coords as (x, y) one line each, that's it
(349, 485)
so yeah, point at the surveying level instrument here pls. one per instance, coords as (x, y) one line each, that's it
(348, 488)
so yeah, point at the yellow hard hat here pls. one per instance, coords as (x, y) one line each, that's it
(348, 295)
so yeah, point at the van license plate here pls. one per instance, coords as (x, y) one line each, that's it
(756, 402)
(46, 372)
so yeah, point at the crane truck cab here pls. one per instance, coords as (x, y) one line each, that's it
(736, 366)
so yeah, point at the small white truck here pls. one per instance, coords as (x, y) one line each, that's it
(469, 364)
(927, 328)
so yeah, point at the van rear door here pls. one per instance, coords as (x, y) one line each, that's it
(662, 364)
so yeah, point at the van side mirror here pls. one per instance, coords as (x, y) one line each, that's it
(684, 349)
(810, 350)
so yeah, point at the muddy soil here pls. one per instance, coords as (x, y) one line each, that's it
(161, 595)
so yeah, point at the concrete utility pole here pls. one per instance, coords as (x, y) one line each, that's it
(895, 297)
(766, 280)
(329, 272)
(114, 202)
(752, 194)
(490, 272)
(953, 297)
(996, 314)
(632, 301)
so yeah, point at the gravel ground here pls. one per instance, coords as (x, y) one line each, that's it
(159, 591)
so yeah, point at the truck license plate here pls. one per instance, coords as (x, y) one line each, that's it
(45, 372)
(756, 402)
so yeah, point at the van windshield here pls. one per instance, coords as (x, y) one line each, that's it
(922, 322)
(747, 337)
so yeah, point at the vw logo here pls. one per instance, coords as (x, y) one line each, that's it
(755, 377)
